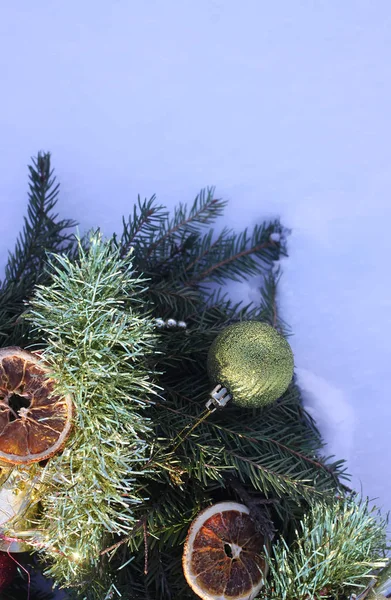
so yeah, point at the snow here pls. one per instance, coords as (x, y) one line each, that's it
(284, 106)
(330, 408)
(275, 237)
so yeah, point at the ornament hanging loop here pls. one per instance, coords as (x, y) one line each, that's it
(219, 397)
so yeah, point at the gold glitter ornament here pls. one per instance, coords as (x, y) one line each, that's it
(252, 361)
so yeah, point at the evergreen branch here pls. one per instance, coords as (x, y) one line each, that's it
(280, 482)
(136, 527)
(177, 257)
(300, 455)
(268, 308)
(238, 256)
(338, 546)
(173, 301)
(274, 301)
(142, 224)
(175, 252)
(206, 247)
(229, 260)
(260, 460)
(255, 439)
(42, 233)
(168, 515)
(205, 209)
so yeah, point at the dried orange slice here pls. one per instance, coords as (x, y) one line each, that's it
(34, 422)
(222, 557)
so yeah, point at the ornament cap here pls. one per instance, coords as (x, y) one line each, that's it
(219, 397)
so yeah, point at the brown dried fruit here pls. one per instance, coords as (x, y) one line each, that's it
(34, 422)
(222, 558)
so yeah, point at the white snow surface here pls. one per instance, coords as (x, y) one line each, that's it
(284, 106)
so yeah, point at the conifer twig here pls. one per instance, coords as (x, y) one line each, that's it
(138, 525)
(244, 436)
(42, 232)
(231, 259)
(205, 253)
(203, 211)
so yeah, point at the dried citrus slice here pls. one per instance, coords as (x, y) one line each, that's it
(34, 422)
(222, 557)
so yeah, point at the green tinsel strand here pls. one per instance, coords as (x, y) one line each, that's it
(338, 547)
(98, 336)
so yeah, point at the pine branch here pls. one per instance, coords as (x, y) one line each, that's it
(173, 300)
(42, 233)
(254, 440)
(289, 450)
(205, 210)
(167, 516)
(205, 249)
(142, 225)
(268, 306)
(276, 451)
(180, 256)
(237, 256)
(267, 460)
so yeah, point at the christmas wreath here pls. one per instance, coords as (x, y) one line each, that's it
(153, 443)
